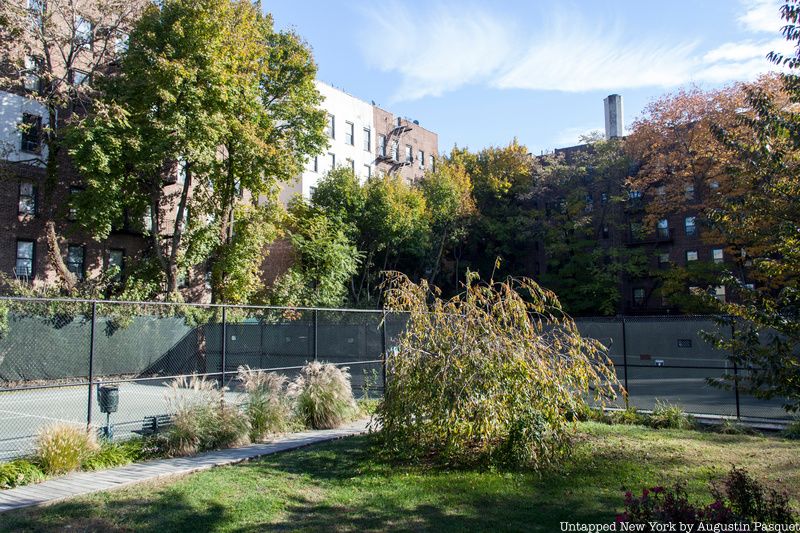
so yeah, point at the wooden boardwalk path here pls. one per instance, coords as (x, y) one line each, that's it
(80, 483)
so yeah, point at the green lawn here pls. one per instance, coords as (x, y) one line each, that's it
(342, 486)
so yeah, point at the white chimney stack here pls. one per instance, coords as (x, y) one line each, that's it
(614, 120)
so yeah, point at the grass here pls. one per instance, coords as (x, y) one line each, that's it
(345, 486)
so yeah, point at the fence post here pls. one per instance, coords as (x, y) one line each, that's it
(224, 343)
(736, 377)
(383, 353)
(625, 360)
(91, 366)
(316, 345)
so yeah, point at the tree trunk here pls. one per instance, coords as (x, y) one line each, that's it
(69, 279)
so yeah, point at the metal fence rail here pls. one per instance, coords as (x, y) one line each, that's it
(56, 353)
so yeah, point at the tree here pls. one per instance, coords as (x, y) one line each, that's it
(585, 267)
(502, 183)
(207, 91)
(450, 205)
(60, 51)
(326, 260)
(387, 220)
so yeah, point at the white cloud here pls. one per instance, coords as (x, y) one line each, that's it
(457, 45)
(762, 16)
(440, 52)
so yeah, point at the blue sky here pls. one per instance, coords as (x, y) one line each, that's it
(482, 73)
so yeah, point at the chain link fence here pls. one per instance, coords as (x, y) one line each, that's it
(668, 358)
(55, 355)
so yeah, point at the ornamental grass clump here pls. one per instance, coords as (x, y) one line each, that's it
(62, 447)
(266, 403)
(201, 418)
(492, 376)
(323, 396)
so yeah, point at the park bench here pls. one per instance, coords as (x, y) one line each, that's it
(155, 424)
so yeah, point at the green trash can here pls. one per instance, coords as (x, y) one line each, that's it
(108, 398)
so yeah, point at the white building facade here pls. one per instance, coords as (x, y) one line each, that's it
(351, 142)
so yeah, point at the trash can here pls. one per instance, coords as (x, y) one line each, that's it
(108, 398)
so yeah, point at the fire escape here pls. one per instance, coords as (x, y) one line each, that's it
(391, 150)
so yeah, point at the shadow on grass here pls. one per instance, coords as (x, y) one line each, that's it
(168, 512)
(347, 486)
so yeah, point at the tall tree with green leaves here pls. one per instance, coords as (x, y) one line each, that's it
(208, 92)
(585, 265)
(451, 208)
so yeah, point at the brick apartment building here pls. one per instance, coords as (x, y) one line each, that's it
(677, 239)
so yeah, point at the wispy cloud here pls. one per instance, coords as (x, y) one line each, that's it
(457, 45)
(761, 15)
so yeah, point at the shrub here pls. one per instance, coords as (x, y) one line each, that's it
(495, 375)
(19, 472)
(792, 431)
(62, 448)
(668, 416)
(734, 427)
(739, 500)
(111, 454)
(266, 405)
(629, 416)
(202, 420)
(323, 396)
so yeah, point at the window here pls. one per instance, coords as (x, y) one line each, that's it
(689, 226)
(662, 229)
(181, 171)
(605, 232)
(27, 198)
(638, 297)
(79, 76)
(83, 32)
(719, 293)
(713, 185)
(351, 164)
(689, 192)
(663, 259)
(691, 255)
(604, 198)
(395, 150)
(421, 159)
(31, 133)
(750, 286)
(330, 128)
(367, 171)
(409, 154)
(333, 159)
(433, 164)
(588, 203)
(33, 66)
(73, 210)
(717, 255)
(316, 164)
(348, 133)
(76, 255)
(367, 139)
(634, 195)
(25, 257)
(381, 148)
(121, 43)
(116, 259)
(684, 343)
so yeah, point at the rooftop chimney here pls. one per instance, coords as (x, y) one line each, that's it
(614, 120)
